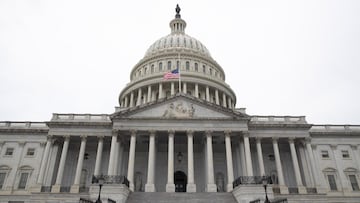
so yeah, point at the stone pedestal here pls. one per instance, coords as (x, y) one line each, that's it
(170, 188)
(229, 187)
(116, 192)
(55, 189)
(36, 188)
(284, 190)
(247, 193)
(190, 187)
(75, 189)
(150, 188)
(211, 188)
(302, 190)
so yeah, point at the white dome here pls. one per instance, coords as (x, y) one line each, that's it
(177, 41)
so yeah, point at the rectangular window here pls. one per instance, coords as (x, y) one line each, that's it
(332, 182)
(204, 69)
(30, 152)
(354, 183)
(2, 180)
(23, 180)
(9, 151)
(345, 153)
(324, 154)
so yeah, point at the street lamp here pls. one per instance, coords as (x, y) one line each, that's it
(264, 182)
(101, 182)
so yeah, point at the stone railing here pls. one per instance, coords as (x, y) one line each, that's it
(255, 180)
(278, 119)
(335, 128)
(80, 117)
(110, 179)
(23, 125)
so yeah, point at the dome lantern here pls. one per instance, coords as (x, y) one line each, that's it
(177, 25)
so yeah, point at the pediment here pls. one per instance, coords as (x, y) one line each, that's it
(180, 107)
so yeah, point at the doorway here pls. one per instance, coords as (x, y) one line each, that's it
(180, 180)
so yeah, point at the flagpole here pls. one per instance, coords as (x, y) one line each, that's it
(179, 74)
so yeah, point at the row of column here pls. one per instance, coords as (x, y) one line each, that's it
(150, 96)
(170, 187)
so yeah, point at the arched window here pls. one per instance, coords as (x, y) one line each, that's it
(152, 68)
(160, 66)
(169, 65)
(196, 67)
(204, 69)
(177, 64)
(187, 65)
(210, 70)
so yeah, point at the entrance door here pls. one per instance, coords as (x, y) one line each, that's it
(180, 180)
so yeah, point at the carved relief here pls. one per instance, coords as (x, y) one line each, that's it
(179, 110)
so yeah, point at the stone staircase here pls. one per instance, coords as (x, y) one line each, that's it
(164, 197)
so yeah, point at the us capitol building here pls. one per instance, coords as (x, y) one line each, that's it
(178, 140)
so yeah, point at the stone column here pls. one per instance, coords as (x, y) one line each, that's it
(138, 102)
(149, 94)
(170, 186)
(150, 186)
(224, 100)
(230, 103)
(207, 94)
(131, 163)
(112, 155)
(41, 176)
(126, 102)
(190, 187)
(217, 102)
(131, 99)
(75, 187)
(116, 158)
(197, 90)
(229, 162)
(260, 156)
(172, 89)
(119, 167)
(211, 186)
(160, 91)
(248, 160)
(184, 88)
(282, 186)
(56, 188)
(99, 155)
(301, 188)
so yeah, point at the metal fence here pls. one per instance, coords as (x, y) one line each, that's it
(245, 180)
(111, 179)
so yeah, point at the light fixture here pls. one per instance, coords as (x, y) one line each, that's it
(179, 157)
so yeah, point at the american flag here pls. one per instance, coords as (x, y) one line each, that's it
(172, 75)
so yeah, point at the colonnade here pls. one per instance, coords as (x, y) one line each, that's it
(210, 185)
(148, 94)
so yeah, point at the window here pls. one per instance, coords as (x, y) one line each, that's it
(204, 69)
(145, 70)
(196, 67)
(152, 68)
(187, 65)
(23, 180)
(324, 154)
(2, 179)
(332, 182)
(210, 71)
(9, 151)
(354, 183)
(169, 65)
(30, 152)
(177, 64)
(160, 66)
(345, 154)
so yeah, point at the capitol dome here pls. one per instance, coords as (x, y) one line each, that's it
(201, 76)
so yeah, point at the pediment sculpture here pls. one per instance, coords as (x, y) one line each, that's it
(179, 110)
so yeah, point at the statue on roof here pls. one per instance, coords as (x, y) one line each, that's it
(177, 9)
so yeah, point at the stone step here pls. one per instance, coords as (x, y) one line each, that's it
(165, 197)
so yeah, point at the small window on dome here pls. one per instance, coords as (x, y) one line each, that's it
(177, 64)
(196, 67)
(210, 71)
(152, 68)
(187, 65)
(216, 74)
(160, 66)
(204, 69)
(169, 65)
(145, 70)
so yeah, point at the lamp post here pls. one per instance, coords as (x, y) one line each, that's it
(101, 182)
(264, 182)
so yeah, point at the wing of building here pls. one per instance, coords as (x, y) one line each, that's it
(177, 136)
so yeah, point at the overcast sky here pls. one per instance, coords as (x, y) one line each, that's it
(280, 57)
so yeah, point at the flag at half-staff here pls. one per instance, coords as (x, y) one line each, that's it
(174, 74)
